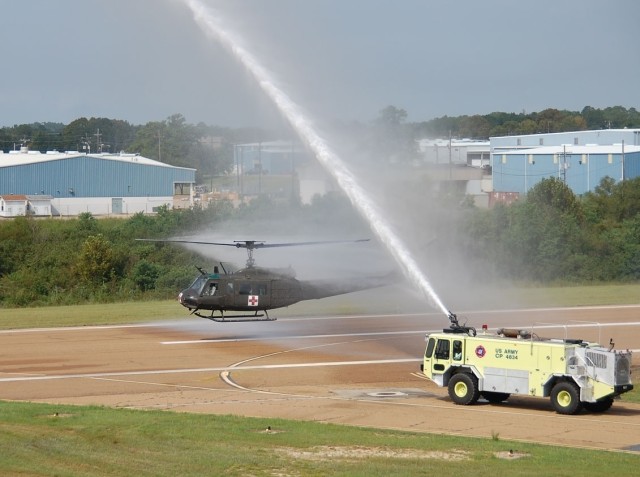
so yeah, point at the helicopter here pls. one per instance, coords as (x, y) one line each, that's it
(248, 294)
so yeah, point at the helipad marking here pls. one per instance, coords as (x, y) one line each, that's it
(207, 370)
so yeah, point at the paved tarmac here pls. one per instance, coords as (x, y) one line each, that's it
(355, 370)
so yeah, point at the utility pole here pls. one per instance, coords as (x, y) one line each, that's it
(98, 143)
(159, 153)
(260, 168)
(622, 160)
(450, 171)
(86, 144)
(564, 166)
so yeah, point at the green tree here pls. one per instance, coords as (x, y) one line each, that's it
(553, 193)
(97, 135)
(144, 274)
(393, 139)
(474, 127)
(96, 262)
(593, 117)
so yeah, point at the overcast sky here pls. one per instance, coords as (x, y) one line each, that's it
(144, 60)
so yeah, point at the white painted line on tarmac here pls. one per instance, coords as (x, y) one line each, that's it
(208, 370)
(378, 333)
(292, 337)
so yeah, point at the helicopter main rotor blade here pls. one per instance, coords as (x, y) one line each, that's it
(189, 241)
(295, 244)
(253, 244)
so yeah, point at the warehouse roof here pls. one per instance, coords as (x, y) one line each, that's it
(18, 158)
(573, 149)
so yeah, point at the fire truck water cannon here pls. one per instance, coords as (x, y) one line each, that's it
(455, 327)
(574, 374)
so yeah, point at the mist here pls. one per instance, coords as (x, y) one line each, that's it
(404, 210)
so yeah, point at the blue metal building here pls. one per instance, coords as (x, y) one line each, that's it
(96, 183)
(581, 167)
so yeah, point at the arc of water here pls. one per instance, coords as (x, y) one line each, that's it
(210, 25)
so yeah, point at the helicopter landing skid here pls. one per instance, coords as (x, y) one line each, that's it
(236, 318)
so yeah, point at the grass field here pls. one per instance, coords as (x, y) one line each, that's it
(39, 439)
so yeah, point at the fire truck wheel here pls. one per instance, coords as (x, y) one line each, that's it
(599, 406)
(495, 397)
(463, 388)
(565, 398)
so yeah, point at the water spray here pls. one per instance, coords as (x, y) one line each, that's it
(213, 28)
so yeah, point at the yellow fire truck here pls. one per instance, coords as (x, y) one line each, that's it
(574, 374)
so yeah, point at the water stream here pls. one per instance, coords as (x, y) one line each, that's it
(212, 26)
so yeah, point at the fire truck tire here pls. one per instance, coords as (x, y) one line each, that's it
(565, 398)
(493, 397)
(463, 388)
(598, 406)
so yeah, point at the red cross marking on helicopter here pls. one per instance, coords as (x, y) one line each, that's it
(253, 300)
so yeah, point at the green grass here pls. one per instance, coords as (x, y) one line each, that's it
(42, 439)
(94, 314)
(577, 295)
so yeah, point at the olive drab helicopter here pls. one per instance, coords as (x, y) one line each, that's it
(248, 294)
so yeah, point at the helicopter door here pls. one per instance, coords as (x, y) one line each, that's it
(253, 294)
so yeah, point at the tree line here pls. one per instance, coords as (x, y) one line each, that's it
(209, 149)
(94, 260)
(549, 236)
(546, 121)
(552, 235)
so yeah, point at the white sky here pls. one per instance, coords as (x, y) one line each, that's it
(143, 60)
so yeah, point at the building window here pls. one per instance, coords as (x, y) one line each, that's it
(519, 142)
(576, 141)
(541, 141)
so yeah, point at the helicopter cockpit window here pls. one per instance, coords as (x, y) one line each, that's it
(210, 289)
(245, 289)
(262, 289)
(198, 283)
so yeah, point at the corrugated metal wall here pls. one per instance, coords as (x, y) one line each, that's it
(520, 172)
(86, 176)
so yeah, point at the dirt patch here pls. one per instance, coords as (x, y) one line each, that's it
(58, 415)
(511, 455)
(359, 452)
(269, 430)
